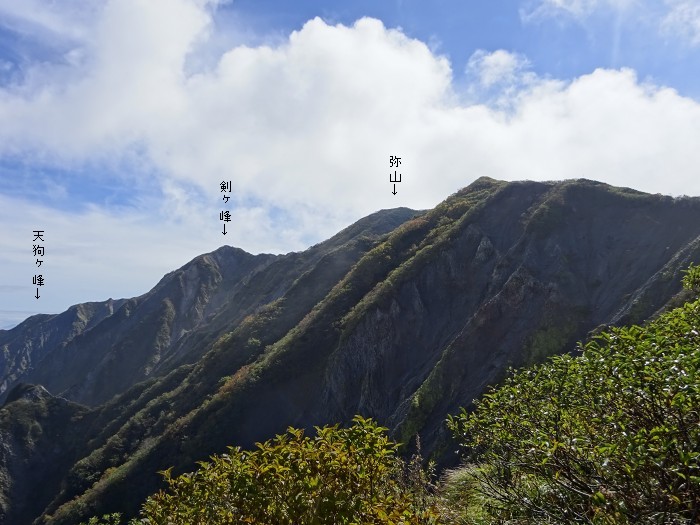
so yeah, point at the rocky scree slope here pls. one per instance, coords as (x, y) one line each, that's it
(404, 327)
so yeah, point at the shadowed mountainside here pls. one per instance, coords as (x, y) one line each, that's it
(403, 317)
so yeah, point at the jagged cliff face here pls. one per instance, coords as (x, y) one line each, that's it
(404, 317)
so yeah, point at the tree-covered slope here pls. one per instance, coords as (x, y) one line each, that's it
(38, 433)
(611, 436)
(404, 327)
(94, 351)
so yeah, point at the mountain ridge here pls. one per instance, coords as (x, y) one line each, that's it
(179, 304)
(403, 317)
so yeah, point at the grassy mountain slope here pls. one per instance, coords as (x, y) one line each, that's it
(129, 422)
(96, 350)
(404, 327)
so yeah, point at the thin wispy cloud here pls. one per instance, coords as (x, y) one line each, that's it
(674, 19)
(67, 20)
(683, 18)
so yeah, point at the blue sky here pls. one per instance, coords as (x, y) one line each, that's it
(561, 43)
(119, 119)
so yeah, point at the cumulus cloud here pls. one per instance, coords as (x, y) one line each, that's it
(498, 67)
(129, 76)
(304, 130)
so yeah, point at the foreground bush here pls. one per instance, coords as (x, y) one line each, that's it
(339, 476)
(612, 436)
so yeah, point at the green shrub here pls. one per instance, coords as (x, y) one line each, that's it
(612, 436)
(341, 475)
(107, 519)
(691, 279)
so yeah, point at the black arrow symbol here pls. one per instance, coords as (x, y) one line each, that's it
(394, 192)
(224, 232)
(37, 293)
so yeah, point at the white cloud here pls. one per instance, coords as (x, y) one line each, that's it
(304, 130)
(609, 126)
(497, 79)
(683, 19)
(498, 67)
(131, 76)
